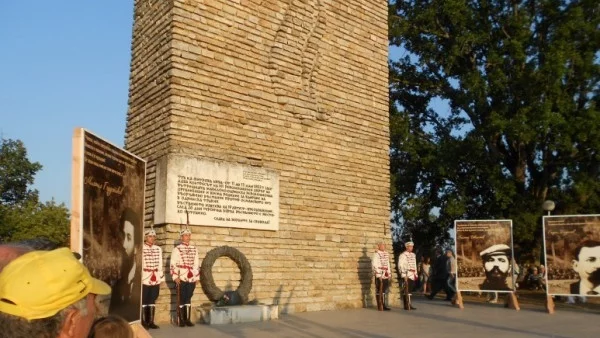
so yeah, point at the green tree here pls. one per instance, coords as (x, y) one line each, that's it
(16, 173)
(33, 220)
(22, 215)
(493, 109)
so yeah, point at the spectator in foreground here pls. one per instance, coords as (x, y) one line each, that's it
(111, 326)
(9, 252)
(47, 294)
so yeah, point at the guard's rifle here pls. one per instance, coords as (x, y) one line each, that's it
(178, 320)
(187, 219)
(406, 294)
(380, 295)
(178, 288)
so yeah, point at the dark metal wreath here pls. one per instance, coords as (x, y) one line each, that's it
(208, 283)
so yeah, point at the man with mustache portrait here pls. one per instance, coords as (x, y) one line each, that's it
(496, 263)
(586, 263)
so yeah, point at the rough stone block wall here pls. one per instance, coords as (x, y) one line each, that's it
(149, 85)
(297, 86)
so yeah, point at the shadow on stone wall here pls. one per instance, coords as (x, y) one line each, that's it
(284, 307)
(172, 292)
(365, 277)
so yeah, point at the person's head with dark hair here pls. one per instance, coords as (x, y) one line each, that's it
(496, 263)
(111, 326)
(130, 231)
(12, 250)
(586, 262)
(40, 243)
(8, 252)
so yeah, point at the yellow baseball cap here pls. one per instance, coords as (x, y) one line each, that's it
(39, 284)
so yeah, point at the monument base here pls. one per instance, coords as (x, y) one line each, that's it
(237, 314)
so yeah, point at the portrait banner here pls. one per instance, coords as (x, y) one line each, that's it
(572, 247)
(107, 219)
(484, 252)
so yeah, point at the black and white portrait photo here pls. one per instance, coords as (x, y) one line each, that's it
(572, 245)
(496, 263)
(112, 203)
(125, 298)
(586, 262)
(484, 255)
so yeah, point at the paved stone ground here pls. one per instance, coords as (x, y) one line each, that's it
(431, 319)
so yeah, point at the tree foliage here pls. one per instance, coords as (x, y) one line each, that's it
(493, 109)
(16, 173)
(22, 215)
(33, 219)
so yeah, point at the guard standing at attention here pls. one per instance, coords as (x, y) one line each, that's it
(185, 270)
(152, 276)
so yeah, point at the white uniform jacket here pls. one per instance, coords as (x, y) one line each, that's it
(408, 265)
(380, 263)
(152, 265)
(185, 263)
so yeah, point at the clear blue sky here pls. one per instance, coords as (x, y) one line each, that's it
(63, 64)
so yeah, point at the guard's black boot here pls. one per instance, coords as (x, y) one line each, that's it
(150, 321)
(405, 302)
(145, 317)
(182, 316)
(188, 313)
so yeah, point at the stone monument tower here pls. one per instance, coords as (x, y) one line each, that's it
(266, 121)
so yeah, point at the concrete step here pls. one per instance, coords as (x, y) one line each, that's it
(218, 315)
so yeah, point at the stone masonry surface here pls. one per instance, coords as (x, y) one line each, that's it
(296, 86)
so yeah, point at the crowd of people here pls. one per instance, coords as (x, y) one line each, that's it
(47, 292)
(433, 275)
(532, 278)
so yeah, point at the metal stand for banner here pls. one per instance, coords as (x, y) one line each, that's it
(550, 304)
(511, 301)
(458, 301)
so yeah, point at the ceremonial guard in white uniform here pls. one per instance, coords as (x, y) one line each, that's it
(152, 276)
(408, 273)
(185, 270)
(380, 263)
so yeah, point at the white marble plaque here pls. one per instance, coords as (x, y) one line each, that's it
(215, 194)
